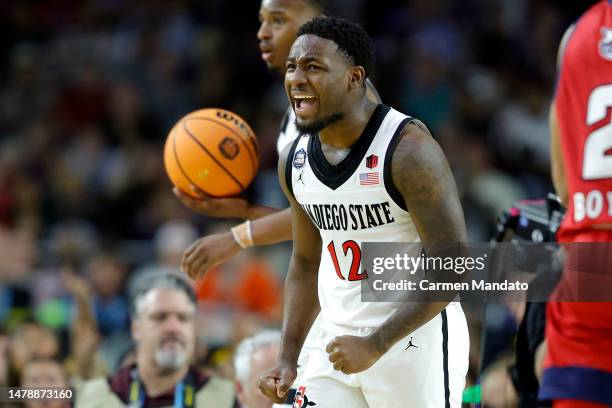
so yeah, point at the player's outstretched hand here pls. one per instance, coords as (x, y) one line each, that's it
(213, 207)
(352, 354)
(207, 252)
(275, 383)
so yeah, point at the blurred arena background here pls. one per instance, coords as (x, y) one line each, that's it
(89, 90)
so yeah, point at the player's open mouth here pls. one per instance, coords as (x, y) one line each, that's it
(266, 52)
(266, 55)
(305, 105)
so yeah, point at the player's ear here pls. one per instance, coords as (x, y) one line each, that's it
(356, 77)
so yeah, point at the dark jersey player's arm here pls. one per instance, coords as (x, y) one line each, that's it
(301, 301)
(423, 177)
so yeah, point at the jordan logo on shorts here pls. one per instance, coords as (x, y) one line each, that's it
(410, 344)
(301, 400)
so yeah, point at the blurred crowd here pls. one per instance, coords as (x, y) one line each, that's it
(90, 89)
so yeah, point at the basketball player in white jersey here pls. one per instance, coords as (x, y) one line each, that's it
(394, 184)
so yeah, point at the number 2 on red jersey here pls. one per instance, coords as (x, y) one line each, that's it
(596, 163)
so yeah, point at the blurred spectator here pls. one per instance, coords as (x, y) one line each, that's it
(4, 362)
(83, 362)
(29, 341)
(44, 373)
(254, 356)
(107, 275)
(163, 329)
(171, 240)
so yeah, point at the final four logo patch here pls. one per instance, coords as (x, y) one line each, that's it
(605, 44)
(299, 158)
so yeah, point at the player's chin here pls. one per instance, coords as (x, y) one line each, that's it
(307, 115)
(306, 126)
(304, 119)
(273, 66)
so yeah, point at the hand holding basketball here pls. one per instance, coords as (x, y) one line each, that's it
(213, 207)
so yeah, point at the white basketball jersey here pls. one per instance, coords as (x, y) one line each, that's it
(350, 203)
(288, 132)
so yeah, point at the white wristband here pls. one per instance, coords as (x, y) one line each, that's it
(249, 233)
(243, 234)
(237, 238)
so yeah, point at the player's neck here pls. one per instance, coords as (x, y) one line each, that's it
(344, 133)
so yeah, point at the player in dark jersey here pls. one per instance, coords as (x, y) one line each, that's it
(279, 23)
(578, 362)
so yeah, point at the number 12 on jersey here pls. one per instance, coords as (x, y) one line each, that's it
(354, 274)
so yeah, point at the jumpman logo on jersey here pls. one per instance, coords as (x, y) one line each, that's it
(300, 178)
(410, 344)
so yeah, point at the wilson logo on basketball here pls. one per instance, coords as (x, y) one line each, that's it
(229, 148)
(238, 123)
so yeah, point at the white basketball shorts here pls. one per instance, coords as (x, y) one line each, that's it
(426, 369)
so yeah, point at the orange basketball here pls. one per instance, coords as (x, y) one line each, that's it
(213, 149)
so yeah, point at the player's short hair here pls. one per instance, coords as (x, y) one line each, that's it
(153, 281)
(352, 40)
(246, 349)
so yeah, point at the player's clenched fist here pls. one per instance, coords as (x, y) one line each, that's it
(275, 383)
(352, 354)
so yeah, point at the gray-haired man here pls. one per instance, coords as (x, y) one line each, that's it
(254, 356)
(163, 328)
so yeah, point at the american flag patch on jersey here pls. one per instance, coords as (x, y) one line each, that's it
(369, 179)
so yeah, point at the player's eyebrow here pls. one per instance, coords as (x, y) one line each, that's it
(304, 59)
(278, 13)
(274, 13)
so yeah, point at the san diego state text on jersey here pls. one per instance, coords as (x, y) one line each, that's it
(336, 216)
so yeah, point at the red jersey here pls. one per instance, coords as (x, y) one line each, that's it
(578, 363)
(584, 111)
